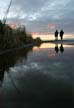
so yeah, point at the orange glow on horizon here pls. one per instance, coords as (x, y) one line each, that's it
(49, 46)
(35, 49)
(47, 36)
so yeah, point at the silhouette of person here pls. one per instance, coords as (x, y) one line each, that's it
(56, 35)
(1, 77)
(61, 34)
(56, 48)
(61, 48)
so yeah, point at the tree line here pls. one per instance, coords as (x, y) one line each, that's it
(10, 38)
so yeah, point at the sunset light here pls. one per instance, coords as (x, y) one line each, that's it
(48, 36)
(36, 53)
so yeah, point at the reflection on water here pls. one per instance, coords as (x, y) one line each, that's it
(50, 45)
(61, 48)
(8, 60)
(37, 77)
(57, 47)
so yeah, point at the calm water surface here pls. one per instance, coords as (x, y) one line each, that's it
(37, 77)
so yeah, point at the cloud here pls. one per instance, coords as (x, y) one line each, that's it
(38, 14)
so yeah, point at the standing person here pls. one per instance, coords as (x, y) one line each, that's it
(56, 35)
(61, 34)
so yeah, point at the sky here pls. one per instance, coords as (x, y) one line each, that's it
(41, 16)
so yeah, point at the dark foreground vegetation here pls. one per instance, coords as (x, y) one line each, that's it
(12, 38)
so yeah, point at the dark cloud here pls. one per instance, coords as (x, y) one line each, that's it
(38, 14)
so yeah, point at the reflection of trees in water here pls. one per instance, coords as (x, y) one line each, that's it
(37, 45)
(9, 59)
(61, 48)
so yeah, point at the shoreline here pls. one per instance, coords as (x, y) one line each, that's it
(65, 42)
(14, 49)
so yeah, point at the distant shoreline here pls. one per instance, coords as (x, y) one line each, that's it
(66, 41)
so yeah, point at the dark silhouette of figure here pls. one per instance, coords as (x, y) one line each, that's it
(61, 34)
(1, 77)
(56, 48)
(61, 48)
(56, 35)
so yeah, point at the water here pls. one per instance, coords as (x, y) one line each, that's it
(37, 77)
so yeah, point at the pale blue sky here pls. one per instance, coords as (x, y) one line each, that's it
(41, 15)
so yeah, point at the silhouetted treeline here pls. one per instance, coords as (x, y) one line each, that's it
(10, 38)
